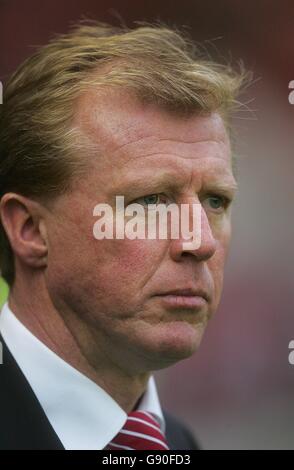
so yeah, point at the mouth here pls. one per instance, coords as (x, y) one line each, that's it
(194, 299)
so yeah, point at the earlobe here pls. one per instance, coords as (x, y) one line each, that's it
(44, 238)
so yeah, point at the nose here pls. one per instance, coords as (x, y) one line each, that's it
(203, 251)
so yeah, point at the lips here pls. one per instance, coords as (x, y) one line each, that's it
(186, 293)
(189, 298)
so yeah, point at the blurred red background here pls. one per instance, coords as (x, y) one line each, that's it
(237, 392)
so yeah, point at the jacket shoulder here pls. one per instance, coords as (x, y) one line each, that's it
(179, 436)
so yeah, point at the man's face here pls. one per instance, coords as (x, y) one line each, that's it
(113, 293)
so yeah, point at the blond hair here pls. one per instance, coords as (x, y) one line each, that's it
(37, 143)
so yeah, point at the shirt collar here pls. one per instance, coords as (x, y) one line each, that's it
(82, 414)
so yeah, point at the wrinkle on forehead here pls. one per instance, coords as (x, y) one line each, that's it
(177, 150)
(119, 121)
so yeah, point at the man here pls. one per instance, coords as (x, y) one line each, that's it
(100, 113)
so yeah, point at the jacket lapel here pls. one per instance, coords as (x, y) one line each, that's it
(24, 424)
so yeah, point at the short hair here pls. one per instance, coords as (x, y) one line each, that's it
(160, 65)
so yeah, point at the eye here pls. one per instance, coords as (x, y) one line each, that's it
(218, 203)
(151, 199)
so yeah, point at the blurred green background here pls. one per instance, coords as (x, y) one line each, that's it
(3, 291)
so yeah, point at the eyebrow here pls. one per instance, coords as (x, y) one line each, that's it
(163, 182)
(168, 181)
(225, 187)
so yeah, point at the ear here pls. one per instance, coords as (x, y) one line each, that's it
(23, 222)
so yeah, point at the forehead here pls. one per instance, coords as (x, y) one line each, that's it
(127, 135)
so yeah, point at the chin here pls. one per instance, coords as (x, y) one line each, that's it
(174, 342)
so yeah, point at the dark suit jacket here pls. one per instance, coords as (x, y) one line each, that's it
(24, 425)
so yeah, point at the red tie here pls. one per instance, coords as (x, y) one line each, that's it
(140, 432)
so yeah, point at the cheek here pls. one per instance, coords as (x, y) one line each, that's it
(216, 268)
(109, 274)
(223, 237)
(128, 263)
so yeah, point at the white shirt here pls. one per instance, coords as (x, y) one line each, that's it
(81, 413)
